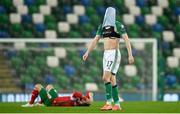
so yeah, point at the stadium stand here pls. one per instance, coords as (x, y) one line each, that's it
(80, 18)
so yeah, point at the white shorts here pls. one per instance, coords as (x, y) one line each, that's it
(111, 60)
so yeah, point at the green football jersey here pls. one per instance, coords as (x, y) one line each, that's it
(119, 26)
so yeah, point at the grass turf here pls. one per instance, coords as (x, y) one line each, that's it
(128, 107)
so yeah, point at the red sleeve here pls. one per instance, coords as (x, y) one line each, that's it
(77, 94)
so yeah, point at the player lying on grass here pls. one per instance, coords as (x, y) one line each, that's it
(49, 97)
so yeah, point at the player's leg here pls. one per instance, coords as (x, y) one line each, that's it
(43, 95)
(47, 95)
(108, 87)
(51, 91)
(108, 90)
(34, 95)
(107, 64)
(115, 94)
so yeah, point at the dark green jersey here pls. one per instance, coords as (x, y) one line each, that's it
(120, 29)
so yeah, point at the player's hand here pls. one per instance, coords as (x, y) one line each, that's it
(85, 56)
(131, 59)
(78, 100)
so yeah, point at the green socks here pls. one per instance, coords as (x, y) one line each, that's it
(108, 87)
(112, 92)
(115, 95)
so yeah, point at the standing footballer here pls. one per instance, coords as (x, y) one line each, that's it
(111, 31)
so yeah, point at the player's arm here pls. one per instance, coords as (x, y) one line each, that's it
(129, 49)
(122, 31)
(91, 46)
(93, 43)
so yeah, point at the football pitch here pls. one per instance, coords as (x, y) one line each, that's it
(128, 107)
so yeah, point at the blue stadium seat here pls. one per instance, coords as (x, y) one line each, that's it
(164, 45)
(177, 11)
(69, 70)
(101, 10)
(139, 20)
(49, 79)
(83, 19)
(85, 2)
(27, 18)
(171, 80)
(40, 27)
(2, 10)
(157, 27)
(4, 34)
(67, 9)
(141, 3)
(29, 2)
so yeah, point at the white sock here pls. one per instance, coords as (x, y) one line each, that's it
(109, 102)
(117, 104)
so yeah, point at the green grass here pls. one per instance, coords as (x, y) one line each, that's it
(128, 107)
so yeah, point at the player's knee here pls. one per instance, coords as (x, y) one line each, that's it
(105, 79)
(38, 87)
(113, 83)
(106, 76)
(49, 87)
